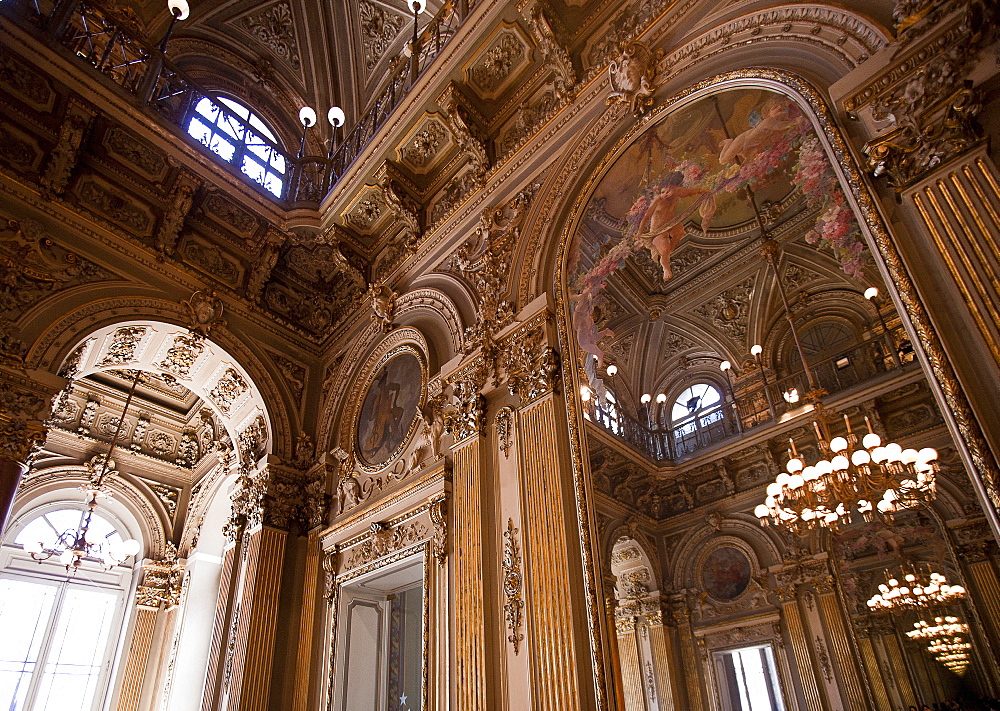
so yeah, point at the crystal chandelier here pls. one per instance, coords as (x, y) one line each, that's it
(72, 545)
(944, 641)
(917, 589)
(848, 480)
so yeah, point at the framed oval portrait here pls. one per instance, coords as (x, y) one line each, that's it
(389, 409)
(725, 573)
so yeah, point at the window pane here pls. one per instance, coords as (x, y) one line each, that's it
(223, 147)
(235, 107)
(207, 109)
(278, 162)
(259, 125)
(199, 130)
(77, 651)
(24, 614)
(274, 184)
(254, 169)
(233, 126)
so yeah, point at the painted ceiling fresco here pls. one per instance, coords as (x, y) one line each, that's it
(716, 165)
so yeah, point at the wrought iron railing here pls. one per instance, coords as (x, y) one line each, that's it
(757, 404)
(107, 41)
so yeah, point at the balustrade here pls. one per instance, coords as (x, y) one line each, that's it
(108, 42)
(753, 403)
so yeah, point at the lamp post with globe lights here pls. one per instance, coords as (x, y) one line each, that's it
(179, 10)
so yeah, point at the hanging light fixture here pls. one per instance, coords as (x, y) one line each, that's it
(848, 481)
(944, 641)
(72, 546)
(914, 588)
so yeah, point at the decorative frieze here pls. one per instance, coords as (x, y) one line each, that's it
(384, 540)
(123, 346)
(182, 354)
(106, 200)
(228, 389)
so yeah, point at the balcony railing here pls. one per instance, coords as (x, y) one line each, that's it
(104, 40)
(756, 404)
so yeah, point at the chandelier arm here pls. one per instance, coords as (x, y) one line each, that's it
(118, 430)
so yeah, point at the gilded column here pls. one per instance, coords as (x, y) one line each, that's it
(900, 673)
(689, 658)
(248, 672)
(158, 593)
(796, 635)
(839, 639)
(223, 615)
(984, 605)
(552, 643)
(875, 680)
(241, 670)
(633, 692)
(660, 645)
(25, 404)
(468, 506)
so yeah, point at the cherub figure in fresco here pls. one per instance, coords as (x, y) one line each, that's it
(586, 330)
(777, 116)
(660, 228)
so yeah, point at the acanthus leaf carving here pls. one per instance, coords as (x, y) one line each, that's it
(274, 26)
(402, 211)
(461, 131)
(931, 107)
(554, 55)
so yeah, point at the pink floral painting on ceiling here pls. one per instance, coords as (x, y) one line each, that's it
(716, 163)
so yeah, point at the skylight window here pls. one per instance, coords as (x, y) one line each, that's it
(240, 137)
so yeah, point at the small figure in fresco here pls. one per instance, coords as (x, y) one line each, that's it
(776, 117)
(586, 330)
(661, 229)
(386, 413)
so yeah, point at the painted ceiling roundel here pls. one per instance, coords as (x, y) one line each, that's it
(717, 166)
(389, 408)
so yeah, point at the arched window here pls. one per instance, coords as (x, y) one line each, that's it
(697, 418)
(606, 409)
(240, 137)
(697, 397)
(60, 630)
